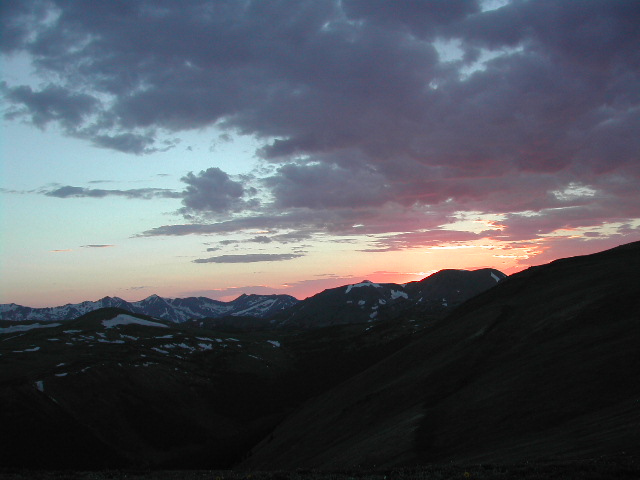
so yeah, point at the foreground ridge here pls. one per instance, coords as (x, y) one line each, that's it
(538, 368)
(601, 468)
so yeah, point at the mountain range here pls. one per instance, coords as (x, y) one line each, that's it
(540, 366)
(347, 304)
(172, 309)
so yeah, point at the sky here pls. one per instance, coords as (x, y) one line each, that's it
(220, 147)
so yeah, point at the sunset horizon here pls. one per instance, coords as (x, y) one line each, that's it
(240, 147)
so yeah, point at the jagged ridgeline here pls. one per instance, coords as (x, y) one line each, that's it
(459, 367)
(347, 304)
(172, 309)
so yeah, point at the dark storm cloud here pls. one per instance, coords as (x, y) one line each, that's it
(69, 191)
(366, 118)
(249, 258)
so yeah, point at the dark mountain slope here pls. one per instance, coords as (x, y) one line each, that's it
(544, 366)
(454, 286)
(369, 302)
(114, 389)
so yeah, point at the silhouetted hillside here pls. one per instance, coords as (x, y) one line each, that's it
(543, 367)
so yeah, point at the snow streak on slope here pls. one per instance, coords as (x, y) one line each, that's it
(23, 328)
(129, 320)
(366, 283)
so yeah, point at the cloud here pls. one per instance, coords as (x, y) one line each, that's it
(284, 238)
(320, 186)
(126, 142)
(97, 246)
(390, 115)
(249, 258)
(421, 239)
(260, 239)
(51, 104)
(212, 190)
(304, 223)
(69, 191)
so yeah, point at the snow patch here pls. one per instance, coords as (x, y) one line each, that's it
(275, 343)
(124, 319)
(102, 340)
(495, 277)
(398, 294)
(22, 328)
(34, 349)
(40, 385)
(363, 284)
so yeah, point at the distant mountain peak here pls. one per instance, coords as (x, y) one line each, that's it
(367, 301)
